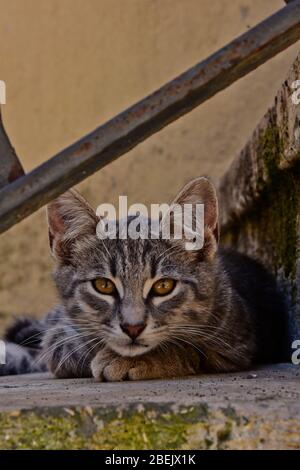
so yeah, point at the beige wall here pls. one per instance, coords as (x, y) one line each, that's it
(71, 64)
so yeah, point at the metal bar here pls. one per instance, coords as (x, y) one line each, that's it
(148, 116)
(10, 167)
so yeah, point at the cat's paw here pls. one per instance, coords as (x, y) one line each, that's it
(143, 370)
(107, 366)
(110, 367)
(98, 364)
(157, 366)
(121, 368)
(118, 370)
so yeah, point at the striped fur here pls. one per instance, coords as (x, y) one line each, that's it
(224, 314)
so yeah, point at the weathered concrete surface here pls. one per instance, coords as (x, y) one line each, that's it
(260, 195)
(259, 409)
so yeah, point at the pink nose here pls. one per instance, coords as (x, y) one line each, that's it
(133, 331)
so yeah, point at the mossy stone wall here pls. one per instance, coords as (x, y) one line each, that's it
(260, 197)
(145, 428)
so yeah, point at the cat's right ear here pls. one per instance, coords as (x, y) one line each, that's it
(70, 220)
(201, 191)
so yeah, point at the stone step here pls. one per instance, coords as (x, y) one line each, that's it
(257, 409)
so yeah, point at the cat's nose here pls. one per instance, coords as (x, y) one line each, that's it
(133, 331)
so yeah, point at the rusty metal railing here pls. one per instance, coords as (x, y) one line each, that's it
(25, 193)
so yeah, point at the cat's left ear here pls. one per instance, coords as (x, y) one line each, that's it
(201, 191)
(71, 220)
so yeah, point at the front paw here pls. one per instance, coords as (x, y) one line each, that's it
(109, 367)
(144, 370)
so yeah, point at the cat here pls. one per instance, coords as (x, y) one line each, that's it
(148, 309)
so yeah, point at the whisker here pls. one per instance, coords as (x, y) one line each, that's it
(89, 351)
(66, 340)
(191, 344)
(73, 351)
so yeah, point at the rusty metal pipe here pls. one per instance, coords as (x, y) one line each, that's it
(173, 100)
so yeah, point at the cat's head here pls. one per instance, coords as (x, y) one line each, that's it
(133, 295)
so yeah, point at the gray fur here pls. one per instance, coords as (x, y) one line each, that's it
(224, 305)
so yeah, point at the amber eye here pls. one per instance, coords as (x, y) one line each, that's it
(163, 287)
(104, 286)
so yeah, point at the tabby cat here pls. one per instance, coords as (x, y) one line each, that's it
(145, 309)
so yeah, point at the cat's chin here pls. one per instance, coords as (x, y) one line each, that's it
(131, 350)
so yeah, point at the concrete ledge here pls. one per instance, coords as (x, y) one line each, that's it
(260, 196)
(249, 410)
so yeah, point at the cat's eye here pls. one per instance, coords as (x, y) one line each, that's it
(104, 286)
(163, 287)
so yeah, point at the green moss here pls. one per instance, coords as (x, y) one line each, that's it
(231, 413)
(278, 217)
(270, 151)
(81, 430)
(31, 431)
(283, 223)
(143, 432)
(272, 223)
(224, 433)
(152, 427)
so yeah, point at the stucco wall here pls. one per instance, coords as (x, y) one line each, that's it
(71, 64)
